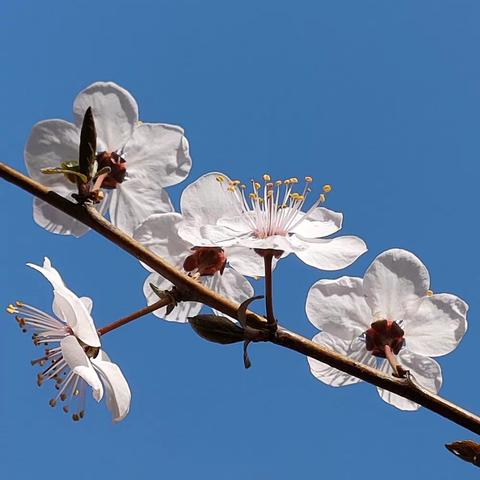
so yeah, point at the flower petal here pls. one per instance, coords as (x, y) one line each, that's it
(393, 284)
(88, 303)
(68, 307)
(180, 313)
(319, 223)
(328, 254)
(116, 387)
(158, 153)
(437, 326)
(115, 112)
(50, 143)
(205, 200)
(331, 376)
(78, 361)
(246, 261)
(425, 370)
(339, 308)
(159, 234)
(231, 285)
(135, 200)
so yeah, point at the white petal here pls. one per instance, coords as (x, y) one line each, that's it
(180, 313)
(437, 326)
(50, 273)
(50, 143)
(206, 200)
(79, 363)
(393, 283)
(425, 370)
(231, 285)
(331, 376)
(159, 234)
(55, 221)
(246, 261)
(115, 112)
(339, 308)
(158, 153)
(88, 303)
(328, 254)
(116, 388)
(319, 223)
(134, 200)
(68, 307)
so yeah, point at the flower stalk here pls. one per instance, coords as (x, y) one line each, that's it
(271, 321)
(163, 302)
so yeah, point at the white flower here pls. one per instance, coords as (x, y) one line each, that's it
(77, 360)
(159, 233)
(218, 212)
(144, 158)
(390, 312)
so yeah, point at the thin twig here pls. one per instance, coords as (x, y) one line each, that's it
(194, 290)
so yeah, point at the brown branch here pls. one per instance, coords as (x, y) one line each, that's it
(191, 289)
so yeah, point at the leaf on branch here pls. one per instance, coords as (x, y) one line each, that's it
(217, 329)
(87, 154)
(68, 172)
(467, 450)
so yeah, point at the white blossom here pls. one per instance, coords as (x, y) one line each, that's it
(73, 357)
(392, 308)
(143, 157)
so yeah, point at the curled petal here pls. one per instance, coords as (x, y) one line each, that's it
(331, 376)
(80, 364)
(116, 387)
(339, 308)
(437, 326)
(425, 370)
(319, 223)
(393, 284)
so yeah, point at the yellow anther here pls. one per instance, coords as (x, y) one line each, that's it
(322, 198)
(294, 180)
(220, 178)
(76, 392)
(11, 309)
(256, 185)
(266, 178)
(52, 402)
(234, 182)
(309, 179)
(327, 188)
(253, 196)
(300, 198)
(231, 189)
(75, 417)
(18, 303)
(269, 193)
(278, 183)
(429, 293)
(243, 186)
(287, 181)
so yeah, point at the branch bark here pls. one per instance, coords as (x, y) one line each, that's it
(192, 290)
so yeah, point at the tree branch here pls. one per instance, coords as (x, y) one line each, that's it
(192, 290)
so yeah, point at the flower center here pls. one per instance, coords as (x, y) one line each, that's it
(205, 261)
(118, 168)
(271, 208)
(384, 333)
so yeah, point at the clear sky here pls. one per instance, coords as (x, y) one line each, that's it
(379, 98)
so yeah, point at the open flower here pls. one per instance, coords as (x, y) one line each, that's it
(76, 360)
(219, 212)
(208, 264)
(143, 159)
(390, 319)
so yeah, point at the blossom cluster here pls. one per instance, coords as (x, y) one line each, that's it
(223, 233)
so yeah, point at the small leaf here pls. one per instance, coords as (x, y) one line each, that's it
(87, 154)
(64, 171)
(217, 329)
(467, 450)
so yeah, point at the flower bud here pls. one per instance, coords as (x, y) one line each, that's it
(217, 329)
(467, 450)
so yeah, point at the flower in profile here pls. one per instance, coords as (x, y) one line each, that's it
(73, 358)
(207, 264)
(390, 319)
(219, 212)
(142, 159)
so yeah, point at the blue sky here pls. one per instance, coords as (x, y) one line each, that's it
(379, 98)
